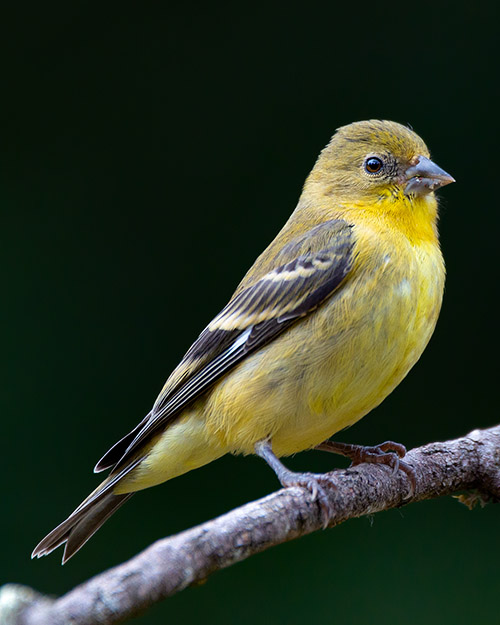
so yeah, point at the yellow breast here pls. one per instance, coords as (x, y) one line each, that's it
(334, 366)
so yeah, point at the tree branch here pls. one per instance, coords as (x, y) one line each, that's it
(168, 566)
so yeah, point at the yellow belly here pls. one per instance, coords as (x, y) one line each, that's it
(334, 366)
(321, 375)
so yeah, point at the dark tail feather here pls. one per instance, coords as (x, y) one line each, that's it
(87, 518)
(80, 526)
(91, 522)
(113, 455)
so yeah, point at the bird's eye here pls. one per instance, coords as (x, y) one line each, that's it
(373, 165)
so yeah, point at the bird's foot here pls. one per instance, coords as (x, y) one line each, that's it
(313, 482)
(388, 453)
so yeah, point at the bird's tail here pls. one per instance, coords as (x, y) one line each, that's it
(87, 518)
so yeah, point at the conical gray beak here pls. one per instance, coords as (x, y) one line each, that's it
(425, 176)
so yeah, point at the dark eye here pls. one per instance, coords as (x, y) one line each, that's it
(373, 165)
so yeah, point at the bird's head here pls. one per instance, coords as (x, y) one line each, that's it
(372, 162)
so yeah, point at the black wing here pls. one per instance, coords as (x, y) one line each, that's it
(253, 317)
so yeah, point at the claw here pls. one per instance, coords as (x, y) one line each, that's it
(309, 481)
(314, 491)
(388, 453)
(312, 483)
(412, 478)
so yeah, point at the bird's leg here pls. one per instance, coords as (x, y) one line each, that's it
(388, 453)
(310, 481)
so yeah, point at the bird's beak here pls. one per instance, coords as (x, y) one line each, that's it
(425, 176)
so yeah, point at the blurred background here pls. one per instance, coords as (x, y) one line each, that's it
(149, 152)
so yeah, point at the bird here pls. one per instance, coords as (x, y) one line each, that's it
(325, 324)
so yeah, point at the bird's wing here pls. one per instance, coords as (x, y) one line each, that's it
(306, 272)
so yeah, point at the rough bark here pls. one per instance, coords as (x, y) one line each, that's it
(470, 464)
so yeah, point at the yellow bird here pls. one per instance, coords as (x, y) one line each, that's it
(330, 318)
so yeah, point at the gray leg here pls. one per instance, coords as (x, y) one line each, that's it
(310, 481)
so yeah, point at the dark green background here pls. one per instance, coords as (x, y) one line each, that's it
(149, 152)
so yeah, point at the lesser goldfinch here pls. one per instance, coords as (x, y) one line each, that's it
(330, 318)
